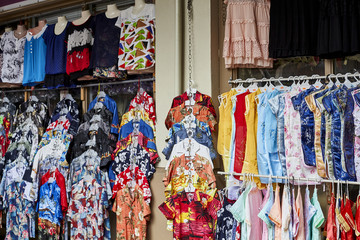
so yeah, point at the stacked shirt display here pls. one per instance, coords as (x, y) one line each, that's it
(133, 166)
(15, 185)
(88, 181)
(190, 184)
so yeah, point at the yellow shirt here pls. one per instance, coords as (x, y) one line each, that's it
(251, 118)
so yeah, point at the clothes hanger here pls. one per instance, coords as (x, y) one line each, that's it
(253, 86)
(271, 85)
(305, 85)
(265, 87)
(347, 82)
(317, 84)
(98, 105)
(338, 83)
(101, 94)
(281, 87)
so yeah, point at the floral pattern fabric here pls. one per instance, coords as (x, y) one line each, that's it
(144, 100)
(194, 215)
(132, 213)
(225, 221)
(356, 114)
(178, 113)
(295, 165)
(129, 177)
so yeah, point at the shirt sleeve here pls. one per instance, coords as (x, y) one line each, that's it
(213, 207)
(168, 208)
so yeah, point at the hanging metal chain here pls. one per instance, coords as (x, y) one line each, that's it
(190, 33)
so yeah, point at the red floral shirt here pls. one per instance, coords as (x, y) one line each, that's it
(125, 177)
(147, 102)
(194, 214)
(201, 99)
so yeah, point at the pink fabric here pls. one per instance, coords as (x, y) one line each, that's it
(255, 224)
(295, 215)
(264, 226)
(246, 39)
(275, 214)
(300, 212)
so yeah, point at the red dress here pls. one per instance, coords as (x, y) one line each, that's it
(331, 221)
(348, 216)
(357, 218)
(240, 132)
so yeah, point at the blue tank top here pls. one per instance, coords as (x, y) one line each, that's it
(34, 59)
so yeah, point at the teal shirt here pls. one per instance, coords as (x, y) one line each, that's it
(318, 218)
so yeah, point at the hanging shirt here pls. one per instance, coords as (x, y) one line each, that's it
(251, 117)
(252, 209)
(269, 232)
(275, 214)
(144, 100)
(310, 100)
(225, 220)
(240, 132)
(307, 125)
(300, 213)
(318, 219)
(309, 212)
(136, 115)
(112, 106)
(277, 106)
(60, 181)
(34, 58)
(137, 38)
(333, 108)
(199, 98)
(49, 209)
(12, 68)
(286, 208)
(191, 225)
(357, 218)
(178, 113)
(132, 213)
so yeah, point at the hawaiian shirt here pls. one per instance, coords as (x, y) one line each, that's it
(69, 107)
(201, 125)
(132, 213)
(59, 124)
(135, 115)
(144, 100)
(202, 113)
(87, 209)
(99, 114)
(190, 166)
(225, 220)
(136, 156)
(84, 127)
(112, 106)
(60, 181)
(49, 205)
(182, 133)
(193, 214)
(129, 177)
(201, 99)
(136, 127)
(20, 217)
(143, 141)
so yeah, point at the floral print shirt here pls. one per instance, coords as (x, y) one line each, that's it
(202, 113)
(225, 220)
(356, 114)
(132, 213)
(87, 209)
(193, 214)
(129, 177)
(200, 98)
(144, 100)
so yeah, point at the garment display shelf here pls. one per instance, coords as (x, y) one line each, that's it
(311, 181)
(83, 85)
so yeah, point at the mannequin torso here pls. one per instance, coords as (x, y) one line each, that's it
(37, 29)
(20, 31)
(112, 11)
(84, 17)
(60, 25)
(139, 6)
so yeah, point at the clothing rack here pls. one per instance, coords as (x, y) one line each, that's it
(294, 78)
(291, 178)
(82, 86)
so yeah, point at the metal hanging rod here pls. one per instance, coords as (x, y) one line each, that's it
(81, 86)
(291, 178)
(295, 78)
